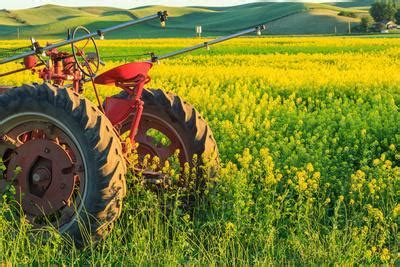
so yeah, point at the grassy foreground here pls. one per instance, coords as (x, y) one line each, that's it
(309, 136)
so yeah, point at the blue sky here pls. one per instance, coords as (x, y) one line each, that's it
(18, 4)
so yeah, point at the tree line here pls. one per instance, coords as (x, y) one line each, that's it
(389, 11)
(381, 11)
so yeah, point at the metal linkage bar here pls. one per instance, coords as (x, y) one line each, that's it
(257, 29)
(161, 15)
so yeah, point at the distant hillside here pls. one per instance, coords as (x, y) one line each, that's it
(50, 21)
(361, 4)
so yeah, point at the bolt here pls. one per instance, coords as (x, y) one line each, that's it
(36, 178)
(62, 186)
(46, 150)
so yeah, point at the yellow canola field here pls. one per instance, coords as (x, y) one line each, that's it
(308, 130)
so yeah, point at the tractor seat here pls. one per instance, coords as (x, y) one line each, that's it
(124, 73)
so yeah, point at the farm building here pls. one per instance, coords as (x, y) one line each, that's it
(386, 25)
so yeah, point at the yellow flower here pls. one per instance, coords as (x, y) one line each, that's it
(229, 227)
(385, 254)
(310, 167)
(316, 175)
(396, 211)
(186, 218)
(388, 164)
(246, 158)
(364, 230)
(368, 254)
(360, 174)
(341, 198)
(363, 132)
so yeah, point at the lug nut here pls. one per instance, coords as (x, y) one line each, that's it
(46, 150)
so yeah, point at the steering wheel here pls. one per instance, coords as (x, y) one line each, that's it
(87, 62)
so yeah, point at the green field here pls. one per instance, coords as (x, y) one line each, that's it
(309, 141)
(286, 18)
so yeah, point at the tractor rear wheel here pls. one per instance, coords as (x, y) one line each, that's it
(169, 124)
(71, 166)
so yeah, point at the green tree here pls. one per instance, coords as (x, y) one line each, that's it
(397, 16)
(366, 23)
(383, 11)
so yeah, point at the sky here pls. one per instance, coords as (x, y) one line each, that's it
(20, 4)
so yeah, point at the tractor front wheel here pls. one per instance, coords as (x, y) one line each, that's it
(64, 159)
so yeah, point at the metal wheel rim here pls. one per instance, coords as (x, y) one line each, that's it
(20, 118)
(171, 131)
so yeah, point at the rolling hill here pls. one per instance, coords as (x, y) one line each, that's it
(51, 21)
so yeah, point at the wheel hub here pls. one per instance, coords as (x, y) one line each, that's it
(41, 174)
(46, 180)
(40, 177)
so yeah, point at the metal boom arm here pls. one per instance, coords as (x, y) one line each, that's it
(161, 15)
(257, 29)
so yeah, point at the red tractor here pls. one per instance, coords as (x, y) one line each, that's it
(68, 157)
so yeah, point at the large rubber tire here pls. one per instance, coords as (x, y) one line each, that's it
(100, 147)
(186, 120)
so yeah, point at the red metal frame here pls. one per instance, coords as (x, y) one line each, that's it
(130, 77)
(60, 68)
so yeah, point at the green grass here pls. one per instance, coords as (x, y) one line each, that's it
(314, 21)
(52, 21)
